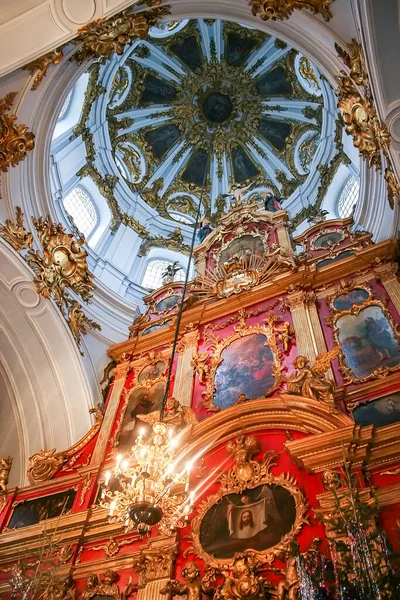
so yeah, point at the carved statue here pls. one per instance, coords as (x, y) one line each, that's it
(204, 230)
(193, 588)
(237, 193)
(272, 203)
(285, 335)
(288, 587)
(170, 271)
(106, 587)
(199, 362)
(5, 468)
(312, 382)
(175, 414)
(284, 257)
(243, 583)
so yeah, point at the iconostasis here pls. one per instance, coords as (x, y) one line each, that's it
(284, 397)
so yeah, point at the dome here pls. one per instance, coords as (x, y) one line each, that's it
(202, 104)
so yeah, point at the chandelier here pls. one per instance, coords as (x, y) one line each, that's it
(146, 487)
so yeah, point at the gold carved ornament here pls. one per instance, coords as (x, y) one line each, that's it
(60, 266)
(40, 66)
(15, 140)
(44, 464)
(5, 468)
(207, 362)
(107, 586)
(246, 474)
(113, 546)
(356, 104)
(104, 37)
(282, 9)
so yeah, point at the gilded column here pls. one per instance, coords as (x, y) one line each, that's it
(156, 565)
(310, 338)
(388, 277)
(302, 324)
(184, 377)
(120, 373)
(283, 232)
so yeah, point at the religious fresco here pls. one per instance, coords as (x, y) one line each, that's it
(328, 261)
(153, 328)
(243, 167)
(256, 520)
(141, 402)
(152, 371)
(162, 138)
(242, 245)
(328, 239)
(381, 412)
(167, 303)
(356, 297)
(31, 512)
(246, 369)
(368, 341)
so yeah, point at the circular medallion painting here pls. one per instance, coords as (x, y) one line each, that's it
(167, 303)
(257, 520)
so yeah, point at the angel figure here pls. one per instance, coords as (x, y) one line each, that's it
(243, 583)
(174, 414)
(312, 382)
(170, 271)
(199, 362)
(288, 588)
(285, 335)
(284, 257)
(193, 588)
(5, 468)
(237, 193)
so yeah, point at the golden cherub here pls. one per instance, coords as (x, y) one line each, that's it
(5, 468)
(312, 382)
(193, 588)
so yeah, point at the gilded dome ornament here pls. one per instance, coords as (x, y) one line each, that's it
(283, 9)
(15, 140)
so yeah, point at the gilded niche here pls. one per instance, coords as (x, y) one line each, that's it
(254, 512)
(15, 140)
(59, 267)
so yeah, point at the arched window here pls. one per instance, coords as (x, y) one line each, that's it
(152, 278)
(348, 198)
(66, 105)
(81, 208)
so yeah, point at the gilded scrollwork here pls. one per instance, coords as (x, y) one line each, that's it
(45, 464)
(277, 332)
(248, 473)
(173, 241)
(40, 66)
(105, 37)
(283, 9)
(59, 267)
(15, 139)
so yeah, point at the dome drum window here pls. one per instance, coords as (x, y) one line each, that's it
(348, 198)
(80, 207)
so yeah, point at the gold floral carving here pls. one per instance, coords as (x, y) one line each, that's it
(248, 473)
(105, 37)
(282, 9)
(44, 464)
(207, 362)
(370, 134)
(156, 563)
(60, 266)
(113, 546)
(87, 482)
(15, 140)
(40, 66)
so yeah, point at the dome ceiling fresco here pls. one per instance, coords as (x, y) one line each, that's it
(205, 102)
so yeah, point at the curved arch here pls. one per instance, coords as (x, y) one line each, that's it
(48, 394)
(281, 412)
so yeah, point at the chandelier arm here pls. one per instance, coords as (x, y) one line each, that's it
(182, 302)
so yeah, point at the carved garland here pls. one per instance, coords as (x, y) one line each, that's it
(206, 363)
(60, 266)
(247, 474)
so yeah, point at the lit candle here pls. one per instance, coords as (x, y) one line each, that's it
(112, 508)
(124, 466)
(107, 478)
(119, 458)
(191, 498)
